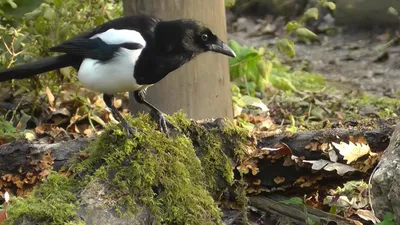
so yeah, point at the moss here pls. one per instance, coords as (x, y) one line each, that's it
(386, 107)
(177, 179)
(55, 202)
(217, 144)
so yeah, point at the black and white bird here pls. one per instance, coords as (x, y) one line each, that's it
(130, 53)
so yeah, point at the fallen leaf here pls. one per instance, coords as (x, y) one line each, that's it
(324, 146)
(252, 101)
(50, 98)
(345, 202)
(248, 165)
(352, 151)
(313, 146)
(366, 215)
(279, 180)
(333, 156)
(340, 168)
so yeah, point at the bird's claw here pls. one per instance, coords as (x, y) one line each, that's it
(130, 131)
(162, 122)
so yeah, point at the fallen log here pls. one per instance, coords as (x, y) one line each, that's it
(295, 213)
(298, 162)
(306, 160)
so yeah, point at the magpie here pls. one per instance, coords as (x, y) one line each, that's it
(130, 53)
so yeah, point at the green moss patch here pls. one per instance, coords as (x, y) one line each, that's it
(162, 174)
(55, 202)
(177, 179)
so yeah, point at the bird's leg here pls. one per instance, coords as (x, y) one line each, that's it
(162, 122)
(128, 129)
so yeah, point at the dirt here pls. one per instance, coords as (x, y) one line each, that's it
(350, 59)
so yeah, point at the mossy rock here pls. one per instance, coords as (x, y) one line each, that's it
(150, 179)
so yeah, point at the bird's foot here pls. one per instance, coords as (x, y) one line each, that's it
(162, 122)
(129, 130)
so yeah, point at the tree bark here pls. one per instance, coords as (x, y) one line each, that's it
(201, 87)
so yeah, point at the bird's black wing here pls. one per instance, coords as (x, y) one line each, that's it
(93, 48)
(141, 23)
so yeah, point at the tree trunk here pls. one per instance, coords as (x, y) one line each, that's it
(201, 87)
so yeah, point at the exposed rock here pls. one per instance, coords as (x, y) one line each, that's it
(386, 180)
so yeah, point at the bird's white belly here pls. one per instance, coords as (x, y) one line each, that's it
(115, 75)
(111, 77)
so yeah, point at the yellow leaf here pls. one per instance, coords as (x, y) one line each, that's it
(352, 151)
(50, 96)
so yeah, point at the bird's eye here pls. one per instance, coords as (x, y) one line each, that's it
(204, 37)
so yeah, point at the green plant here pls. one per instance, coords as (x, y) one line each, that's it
(299, 202)
(387, 220)
(29, 28)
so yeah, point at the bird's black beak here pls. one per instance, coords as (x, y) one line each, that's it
(222, 48)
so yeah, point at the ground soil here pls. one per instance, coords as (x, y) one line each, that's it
(350, 59)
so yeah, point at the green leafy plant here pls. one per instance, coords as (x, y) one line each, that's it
(299, 202)
(29, 28)
(297, 27)
(387, 220)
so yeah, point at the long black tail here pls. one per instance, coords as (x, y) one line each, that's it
(31, 69)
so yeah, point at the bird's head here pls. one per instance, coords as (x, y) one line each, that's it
(192, 36)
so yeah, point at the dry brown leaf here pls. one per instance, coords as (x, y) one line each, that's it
(8, 177)
(50, 98)
(248, 165)
(352, 151)
(279, 180)
(358, 139)
(312, 146)
(324, 146)
(89, 132)
(366, 215)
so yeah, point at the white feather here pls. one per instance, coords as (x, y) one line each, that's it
(116, 75)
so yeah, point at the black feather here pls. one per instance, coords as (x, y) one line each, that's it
(93, 48)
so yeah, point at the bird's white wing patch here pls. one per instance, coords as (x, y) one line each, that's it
(116, 75)
(113, 36)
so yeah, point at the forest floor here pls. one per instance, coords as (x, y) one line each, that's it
(349, 59)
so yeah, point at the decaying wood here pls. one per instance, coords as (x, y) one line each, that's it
(270, 170)
(20, 154)
(297, 214)
(265, 170)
